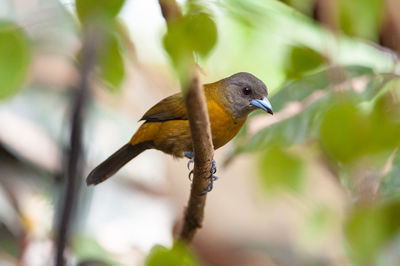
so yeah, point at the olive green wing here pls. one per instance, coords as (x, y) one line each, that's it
(170, 108)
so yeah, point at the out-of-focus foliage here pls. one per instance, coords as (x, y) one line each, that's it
(348, 133)
(101, 10)
(369, 229)
(390, 186)
(193, 33)
(296, 66)
(304, 6)
(281, 170)
(360, 18)
(15, 54)
(178, 255)
(112, 69)
(103, 15)
(87, 249)
(8, 241)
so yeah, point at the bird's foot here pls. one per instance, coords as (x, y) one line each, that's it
(212, 177)
(213, 170)
(190, 156)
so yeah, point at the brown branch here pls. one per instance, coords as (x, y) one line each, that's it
(74, 154)
(201, 139)
(203, 154)
(170, 10)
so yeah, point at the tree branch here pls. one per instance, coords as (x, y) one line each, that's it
(201, 139)
(170, 10)
(74, 154)
(203, 154)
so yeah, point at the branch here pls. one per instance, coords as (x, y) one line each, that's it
(203, 154)
(201, 139)
(74, 155)
(170, 10)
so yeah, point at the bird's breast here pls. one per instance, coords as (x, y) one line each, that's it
(223, 124)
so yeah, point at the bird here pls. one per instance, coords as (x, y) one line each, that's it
(166, 125)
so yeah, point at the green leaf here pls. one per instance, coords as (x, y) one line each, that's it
(348, 132)
(15, 54)
(192, 33)
(281, 170)
(290, 131)
(300, 60)
(112, 69)
(304, 6)
(8, 241)
(361, 18)
(98, 9)
(300, 89)
(178, 255)
(87, 249)
(390, 185)
(368, 229)
(345, 131)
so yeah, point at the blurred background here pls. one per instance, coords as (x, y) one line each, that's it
(317, 183)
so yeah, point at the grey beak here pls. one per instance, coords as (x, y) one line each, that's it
(263, 104)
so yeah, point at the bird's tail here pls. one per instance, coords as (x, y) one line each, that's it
(113, 163)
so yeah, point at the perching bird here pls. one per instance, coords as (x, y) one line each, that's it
(166, 127)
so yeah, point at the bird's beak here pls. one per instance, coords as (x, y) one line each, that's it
(263, 104)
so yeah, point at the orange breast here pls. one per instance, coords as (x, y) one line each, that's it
(223, 126)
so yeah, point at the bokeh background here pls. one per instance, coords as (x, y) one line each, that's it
(317, 183)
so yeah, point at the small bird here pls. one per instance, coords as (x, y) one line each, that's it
(166, 126)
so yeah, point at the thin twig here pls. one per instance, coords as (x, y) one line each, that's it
(201, 139)
(74, 154)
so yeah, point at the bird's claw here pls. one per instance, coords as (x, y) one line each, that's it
(190, 175)
(189, 155)
(212, 178)
(191, 160)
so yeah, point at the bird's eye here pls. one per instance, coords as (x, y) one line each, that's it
(246, 91)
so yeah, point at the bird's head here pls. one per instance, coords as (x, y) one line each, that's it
(244, 93)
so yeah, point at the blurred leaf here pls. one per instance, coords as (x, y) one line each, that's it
(300, 89)
(390, 185)
(361, 18)
(300, 60)
(247, 13)
(87, 249)
(15, 54)
(192, 33)
(379, 84)
(368, 229)
(291, 131)
(304, 6)
(318, 221)
(345, 131)
(281, 170)
(178, 255)
(348, 132)
(8, 241)
(112, 70)
(98, 9)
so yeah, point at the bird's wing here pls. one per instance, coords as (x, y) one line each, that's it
(170, 108)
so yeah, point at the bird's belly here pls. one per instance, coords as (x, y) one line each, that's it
(172, 137)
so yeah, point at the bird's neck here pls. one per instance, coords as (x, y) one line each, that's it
(215, 93)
